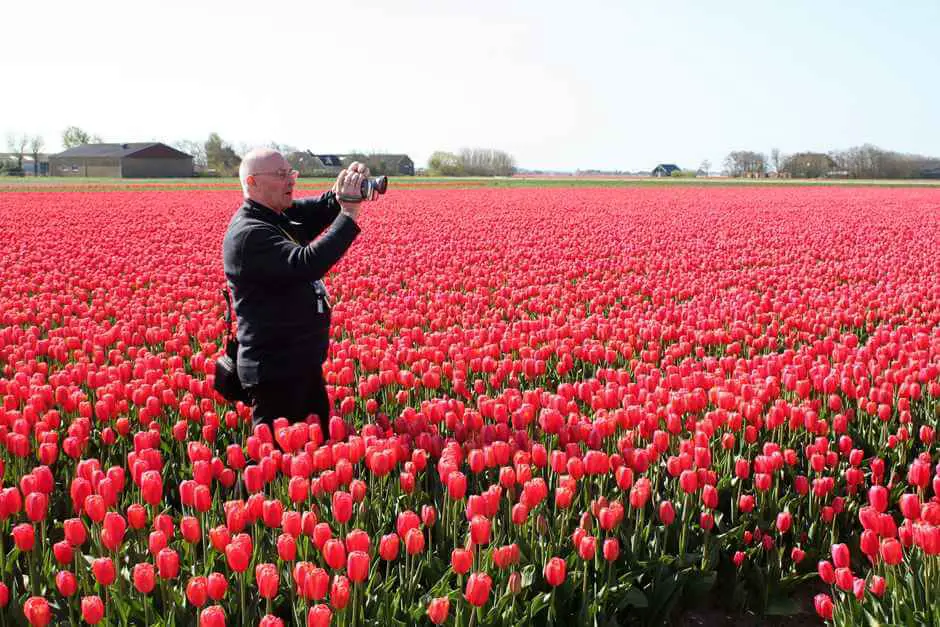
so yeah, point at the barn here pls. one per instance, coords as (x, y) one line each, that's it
(138, 160)
(665, 169)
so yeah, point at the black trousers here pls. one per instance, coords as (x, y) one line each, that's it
(293, 398)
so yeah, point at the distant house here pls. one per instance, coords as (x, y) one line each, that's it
(400, 165)
(930, 172)
(137, 160)
(665, 169)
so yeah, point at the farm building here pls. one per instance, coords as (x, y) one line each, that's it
(139, 160)
(665, 169)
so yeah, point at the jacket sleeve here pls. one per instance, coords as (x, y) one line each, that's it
(268, 255)
(314, 213)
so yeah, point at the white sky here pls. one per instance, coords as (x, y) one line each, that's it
(560, 85)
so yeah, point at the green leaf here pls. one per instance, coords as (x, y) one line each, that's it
(782, 606)
(632, 597)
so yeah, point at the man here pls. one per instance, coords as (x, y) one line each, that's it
(275, 270)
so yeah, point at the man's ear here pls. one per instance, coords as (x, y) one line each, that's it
(250, 180)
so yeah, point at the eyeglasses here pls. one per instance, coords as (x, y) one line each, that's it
(281, 174)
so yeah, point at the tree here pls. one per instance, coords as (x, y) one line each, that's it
(194, 148)
(36, 143)
(746, 163)
(775, 159)
(17, 146)
(808, 165)
(74, 136)
(443, 163)
(705, 167)
(221, 157)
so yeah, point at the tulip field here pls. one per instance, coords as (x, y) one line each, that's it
(565, 406)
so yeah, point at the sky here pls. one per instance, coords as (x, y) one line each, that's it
(558, 85)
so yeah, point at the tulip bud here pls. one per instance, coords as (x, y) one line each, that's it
(438, 609)
(554, 571)
(478, 588)
(92, 609)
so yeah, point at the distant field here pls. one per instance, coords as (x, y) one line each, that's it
(105, 184)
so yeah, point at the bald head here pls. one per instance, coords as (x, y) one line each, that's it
(266, 178)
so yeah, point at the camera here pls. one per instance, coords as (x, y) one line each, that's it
(373, 186)
(369, 190)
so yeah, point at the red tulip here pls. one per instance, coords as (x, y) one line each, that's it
(92, 609)
(784, 522)
(212, 616)
(144, 577)
(63, 552)
(112, 531)
(480, 530)
(103, 569)
(357, 566)
(840, 555)
(286, 547)
(65, 582)
(357, 540)
(438, 609)
(151, 487)
(36, 506)
(216, 586)
(36, 610)
(891, 551)
(554, 571)
(237, 557)
(414, 542)
(611, 549)
(587, 547)
(75, 533)
(168, 564)
(388, 547)
(319, 616)
(339, 592)
(197, 591)
(269, 620)
(667, 514)
(24, 537)
(189, 528)
(335, 554)
(824, 607)
(266, 576)
(342, 507)
(478, 589)
(461, 560)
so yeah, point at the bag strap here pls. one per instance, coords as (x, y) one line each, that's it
(228, 313)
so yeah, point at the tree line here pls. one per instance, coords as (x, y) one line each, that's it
(472, 162)
(862, 162)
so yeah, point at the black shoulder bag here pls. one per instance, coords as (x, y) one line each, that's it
(226, 366)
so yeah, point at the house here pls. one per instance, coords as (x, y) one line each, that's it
(137, 160)
(396, 165)
(665, 169)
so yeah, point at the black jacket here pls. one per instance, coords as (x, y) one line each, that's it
(281, 331)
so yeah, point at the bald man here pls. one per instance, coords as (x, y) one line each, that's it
(275, 264)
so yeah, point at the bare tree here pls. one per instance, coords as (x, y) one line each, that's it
(36, 143)
(194, 148)
(746, 163)
(17, 146)
(705, 167)
(775, 159)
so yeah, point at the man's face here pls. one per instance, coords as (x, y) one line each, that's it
(272, 183)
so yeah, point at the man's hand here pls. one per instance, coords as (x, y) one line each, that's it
(349, 183)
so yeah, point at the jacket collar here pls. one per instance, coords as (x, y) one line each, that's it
(267, 214)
